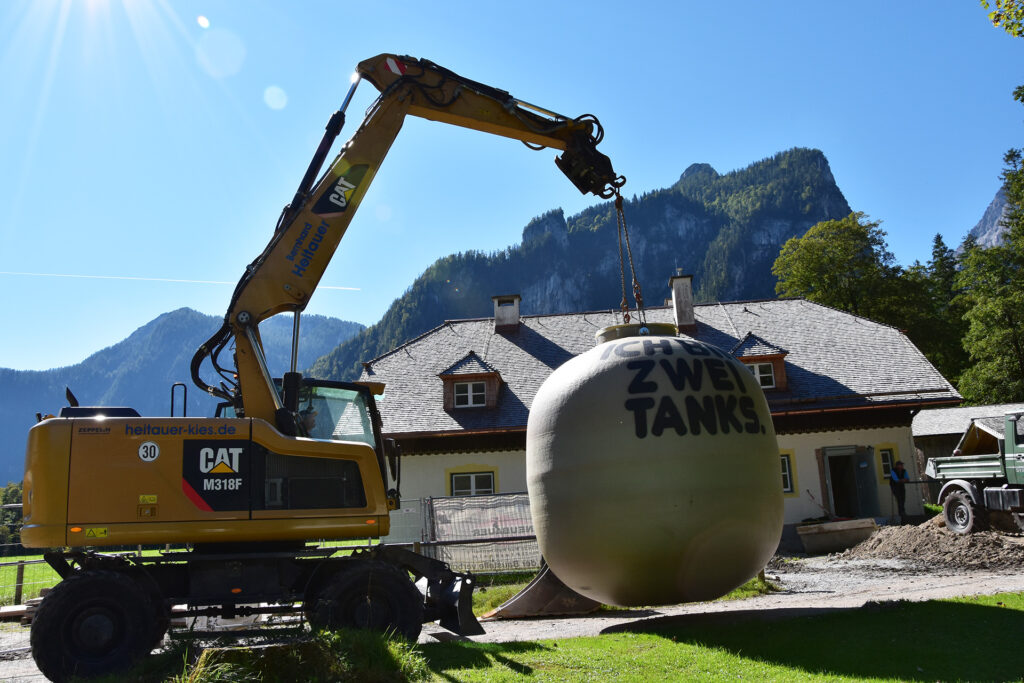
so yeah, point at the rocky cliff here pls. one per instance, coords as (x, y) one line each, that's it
(725, 229)
(989, 230)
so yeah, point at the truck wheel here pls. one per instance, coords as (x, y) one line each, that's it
(961, 514)
(372, 595)
(91, 623)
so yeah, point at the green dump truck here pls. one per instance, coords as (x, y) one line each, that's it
(984, 478)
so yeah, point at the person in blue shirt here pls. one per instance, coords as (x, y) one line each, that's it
(898, 479)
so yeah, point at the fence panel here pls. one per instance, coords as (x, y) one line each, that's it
(407, 523)
(472, 520)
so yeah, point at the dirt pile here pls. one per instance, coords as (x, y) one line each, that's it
(931, 544)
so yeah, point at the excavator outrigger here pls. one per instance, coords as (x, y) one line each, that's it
(248, 494)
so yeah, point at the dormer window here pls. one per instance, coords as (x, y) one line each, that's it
(766, 361)
(470, 383)
(765, 374)
(470, 394)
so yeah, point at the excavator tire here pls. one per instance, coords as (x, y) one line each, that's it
(92, 623)
(961, 514)
(371, 595)
(161, 611)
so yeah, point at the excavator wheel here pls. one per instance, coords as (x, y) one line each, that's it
(161, 611)
(92, 623)
(961, 514)
(370, 595)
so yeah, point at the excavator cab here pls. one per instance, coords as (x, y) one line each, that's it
(342, 411)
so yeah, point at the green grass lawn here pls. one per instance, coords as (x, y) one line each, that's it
(963, 639)
(38, 575)
(949, 640)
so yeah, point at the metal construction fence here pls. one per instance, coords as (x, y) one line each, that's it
(482, 533)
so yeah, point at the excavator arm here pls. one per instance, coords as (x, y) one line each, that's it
(287, 272)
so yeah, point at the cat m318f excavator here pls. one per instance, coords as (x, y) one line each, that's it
(249, 496)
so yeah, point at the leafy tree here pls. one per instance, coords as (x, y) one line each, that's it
(1007, 14)
(842, 263)
(847, 265)
(10, 518)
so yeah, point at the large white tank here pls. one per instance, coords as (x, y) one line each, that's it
(653, 471)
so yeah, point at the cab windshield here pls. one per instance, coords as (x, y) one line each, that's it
(328, 412)
(335, 413)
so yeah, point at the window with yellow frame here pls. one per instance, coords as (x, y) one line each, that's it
(887, 457)
(471, 480)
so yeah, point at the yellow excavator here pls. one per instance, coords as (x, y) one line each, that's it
(249, 496)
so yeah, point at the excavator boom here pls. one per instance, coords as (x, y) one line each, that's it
(287, 272)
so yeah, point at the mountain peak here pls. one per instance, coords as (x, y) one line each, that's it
(699, 172)
(550, 223)
(990, 231)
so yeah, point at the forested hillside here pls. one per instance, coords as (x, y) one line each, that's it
(140, 370)
(724, 229)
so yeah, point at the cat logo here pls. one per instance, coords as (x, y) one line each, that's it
(342, 192)
(336, 199)
(219, 460)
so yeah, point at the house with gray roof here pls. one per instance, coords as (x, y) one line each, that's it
(842, 392)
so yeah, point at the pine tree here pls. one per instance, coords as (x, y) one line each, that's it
(993, 284)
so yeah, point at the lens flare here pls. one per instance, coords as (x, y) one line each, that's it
(275, 97)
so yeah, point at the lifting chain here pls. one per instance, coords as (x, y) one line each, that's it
(638, 296)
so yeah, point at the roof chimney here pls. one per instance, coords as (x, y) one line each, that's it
(506, 312)
(682, 301)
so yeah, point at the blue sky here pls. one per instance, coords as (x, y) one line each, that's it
(151, 139)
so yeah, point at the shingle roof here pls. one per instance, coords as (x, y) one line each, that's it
(997, 426)
(470, 364)
(752, 345)
(939, 421)
(835, 360)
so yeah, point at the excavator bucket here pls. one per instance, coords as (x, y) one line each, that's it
(544, 596)
(451, 601)
(447, 595)
(456, 607)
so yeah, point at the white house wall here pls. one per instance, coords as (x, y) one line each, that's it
(800, 505)
(429, 475)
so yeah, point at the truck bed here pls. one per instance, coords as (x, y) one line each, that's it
(987, 466)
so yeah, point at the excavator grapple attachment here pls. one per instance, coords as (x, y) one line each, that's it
(588, 169)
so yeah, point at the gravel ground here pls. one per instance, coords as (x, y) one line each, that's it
(909, 563)
(808, 585)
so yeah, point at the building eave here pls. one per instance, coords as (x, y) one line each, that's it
(808, 419)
